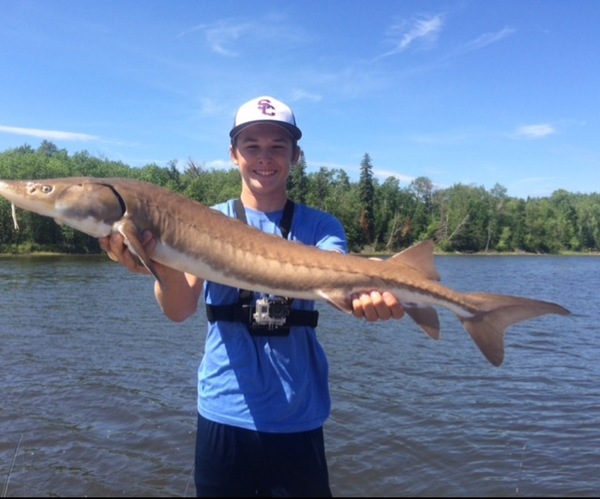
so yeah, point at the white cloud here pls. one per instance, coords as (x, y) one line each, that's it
(228, 37)
(424, 32)
(385, 174)
(219, 164)
(211, 107)
(535, 131)
(487, 39)
(48, 134)
(222, 34)
(299, 94)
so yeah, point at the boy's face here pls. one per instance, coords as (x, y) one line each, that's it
(264, 153)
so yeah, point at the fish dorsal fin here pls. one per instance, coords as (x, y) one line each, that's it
(420, 257)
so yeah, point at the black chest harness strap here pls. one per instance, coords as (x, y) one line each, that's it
(266, 317)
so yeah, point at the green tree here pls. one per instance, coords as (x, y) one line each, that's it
(566, 220)
(419, 204)
(214, 186)
(366, 189)
(297, 182)
(319, 185)
(539, 226)
(463, 216)
(459, 218)
(588, 221)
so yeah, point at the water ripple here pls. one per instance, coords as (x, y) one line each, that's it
(100, 389)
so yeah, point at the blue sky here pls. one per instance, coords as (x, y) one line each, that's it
(468, 91)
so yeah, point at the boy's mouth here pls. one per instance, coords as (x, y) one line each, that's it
(265, 173)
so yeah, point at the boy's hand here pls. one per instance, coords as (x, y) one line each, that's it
(376, 306)
(117, 250)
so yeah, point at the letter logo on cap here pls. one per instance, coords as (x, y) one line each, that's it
(266, 107)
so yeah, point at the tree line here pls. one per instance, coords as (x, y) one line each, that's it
(378, 216)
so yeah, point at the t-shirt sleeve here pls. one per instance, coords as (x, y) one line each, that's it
(329, 233)
(334, 239)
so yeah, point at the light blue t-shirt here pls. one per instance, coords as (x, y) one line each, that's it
(268, 383)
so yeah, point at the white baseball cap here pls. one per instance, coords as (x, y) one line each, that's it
(265, 109)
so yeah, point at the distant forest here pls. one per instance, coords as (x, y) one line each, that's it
(378, 216)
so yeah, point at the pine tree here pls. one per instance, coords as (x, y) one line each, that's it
(297, 184)
(366, 190)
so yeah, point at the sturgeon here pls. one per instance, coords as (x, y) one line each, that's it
(198, 240)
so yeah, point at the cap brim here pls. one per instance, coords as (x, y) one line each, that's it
(294, 131)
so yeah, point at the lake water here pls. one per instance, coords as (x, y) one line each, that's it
(98, 389)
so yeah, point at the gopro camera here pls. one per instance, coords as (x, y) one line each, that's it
(270, 316)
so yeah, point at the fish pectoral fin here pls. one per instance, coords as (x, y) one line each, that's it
(131, 234)
(426, 318)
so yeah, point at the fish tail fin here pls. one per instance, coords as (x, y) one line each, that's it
(495, 314)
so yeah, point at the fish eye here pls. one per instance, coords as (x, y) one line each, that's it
(46, 189)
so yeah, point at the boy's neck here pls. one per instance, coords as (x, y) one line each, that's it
(266, 204)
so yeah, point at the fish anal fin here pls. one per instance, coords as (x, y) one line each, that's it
(426, 318)
(420, 257)
(132, 238)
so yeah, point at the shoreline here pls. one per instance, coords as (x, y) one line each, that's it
(363, 254)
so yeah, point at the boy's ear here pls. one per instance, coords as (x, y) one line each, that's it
(233, 154)
(296, 154)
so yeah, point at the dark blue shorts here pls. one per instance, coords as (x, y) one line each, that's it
(236, 462)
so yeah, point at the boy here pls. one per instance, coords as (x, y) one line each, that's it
(263, 392)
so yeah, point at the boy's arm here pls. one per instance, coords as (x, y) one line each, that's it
(178, 296)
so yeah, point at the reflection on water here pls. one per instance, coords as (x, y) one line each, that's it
(99, 388)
